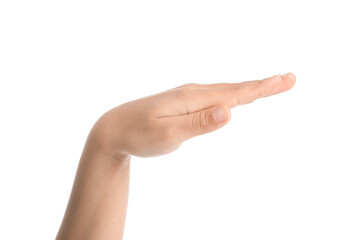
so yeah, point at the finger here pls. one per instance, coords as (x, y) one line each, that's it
(232, 96)
(190, 98)
(200, 85)
(288, 83)
(289, 80)
(201, 122)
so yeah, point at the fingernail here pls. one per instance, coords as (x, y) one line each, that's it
(284, 75)
(219, 114)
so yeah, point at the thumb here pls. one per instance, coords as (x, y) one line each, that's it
(204, 121)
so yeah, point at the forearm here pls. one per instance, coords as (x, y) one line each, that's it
(98, 201)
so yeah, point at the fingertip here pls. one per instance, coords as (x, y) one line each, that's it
(292, 78)
(288, 81)
(288, 75)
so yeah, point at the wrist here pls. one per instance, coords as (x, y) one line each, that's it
(103, 141)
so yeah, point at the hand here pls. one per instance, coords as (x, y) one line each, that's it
(158, 124)
(146, 127)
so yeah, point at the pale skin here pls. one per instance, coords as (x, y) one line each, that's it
(147, 127)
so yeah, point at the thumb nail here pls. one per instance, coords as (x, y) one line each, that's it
(219, 114)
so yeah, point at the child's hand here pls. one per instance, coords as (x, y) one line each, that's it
(159, 123)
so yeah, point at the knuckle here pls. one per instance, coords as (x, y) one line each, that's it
(237, 94)
(200, 121)
(184, 92)
(240, 91)
(187, 85)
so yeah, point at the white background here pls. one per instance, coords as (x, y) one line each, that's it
(285, 167)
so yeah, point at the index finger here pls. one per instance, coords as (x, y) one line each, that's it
(234, 94)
